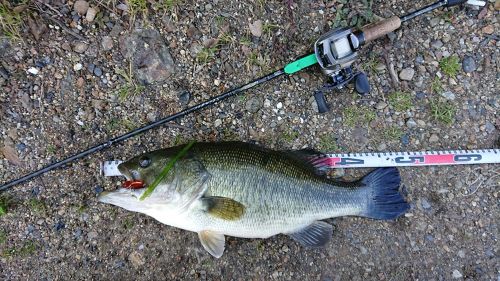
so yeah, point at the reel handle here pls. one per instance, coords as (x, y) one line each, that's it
(376, 30)
(323, 107)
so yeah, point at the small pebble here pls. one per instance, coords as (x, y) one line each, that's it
(468, 64)
(43, 62)
(35, 191)
(434, 22)
(33, 70)
(59, 225)
(434, 138)
(80, 47)
(30, 228)
(448, 95)
(489, 29)
(21, 147)
(420, 95)
(425, 204)
(119, 264)
(407, 74)
(98, 189)
(437, 44)
(380, 105)
(77, 233)
(91, 13)
(184, 97)
(107, 43)
(253, 105)
(81, 7)
(405, 139)
(122, 7)
(92, 235)
(489, 127)
(411, 123)
(456, 274)
(97, 71)
(136, 259)
(77, 67)
(90, 68)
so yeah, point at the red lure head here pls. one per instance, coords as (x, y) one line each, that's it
(133, 184)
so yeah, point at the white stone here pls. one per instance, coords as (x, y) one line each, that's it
(448, 95)
(91, 13)
(407, 74)
(33, 70)
(77, 67)
(456, 274)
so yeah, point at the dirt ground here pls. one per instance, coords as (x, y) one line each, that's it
(69, 81)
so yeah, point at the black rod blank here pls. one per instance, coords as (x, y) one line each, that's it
(143, 129)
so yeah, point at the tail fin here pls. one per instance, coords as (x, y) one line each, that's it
(384, 201)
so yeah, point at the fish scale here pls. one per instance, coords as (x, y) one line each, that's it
(277, 191)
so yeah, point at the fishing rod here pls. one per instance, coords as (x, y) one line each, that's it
(335, 52)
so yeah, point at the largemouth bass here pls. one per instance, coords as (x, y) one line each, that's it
(244, 190)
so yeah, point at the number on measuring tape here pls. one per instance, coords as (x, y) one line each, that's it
(350, 161)
(468, 158)
(410, 160)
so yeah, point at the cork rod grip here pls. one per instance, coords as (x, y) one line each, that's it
(379, 29)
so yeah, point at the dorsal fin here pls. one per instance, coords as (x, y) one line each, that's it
(310, 159)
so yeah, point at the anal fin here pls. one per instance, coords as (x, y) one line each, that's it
(213, 242)
(316, 234)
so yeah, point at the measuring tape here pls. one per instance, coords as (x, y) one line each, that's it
(410, 159)
(380, 159)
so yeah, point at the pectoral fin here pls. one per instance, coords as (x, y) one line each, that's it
(223, 208)
(316, 234)
(213, 242)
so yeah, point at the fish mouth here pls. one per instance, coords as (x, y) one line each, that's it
(132, 177)
(122, 197)
(125, 172)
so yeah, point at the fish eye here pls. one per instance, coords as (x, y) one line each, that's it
(135, 174)
(144, 162)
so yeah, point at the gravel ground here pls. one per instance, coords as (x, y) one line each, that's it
(75, 76)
